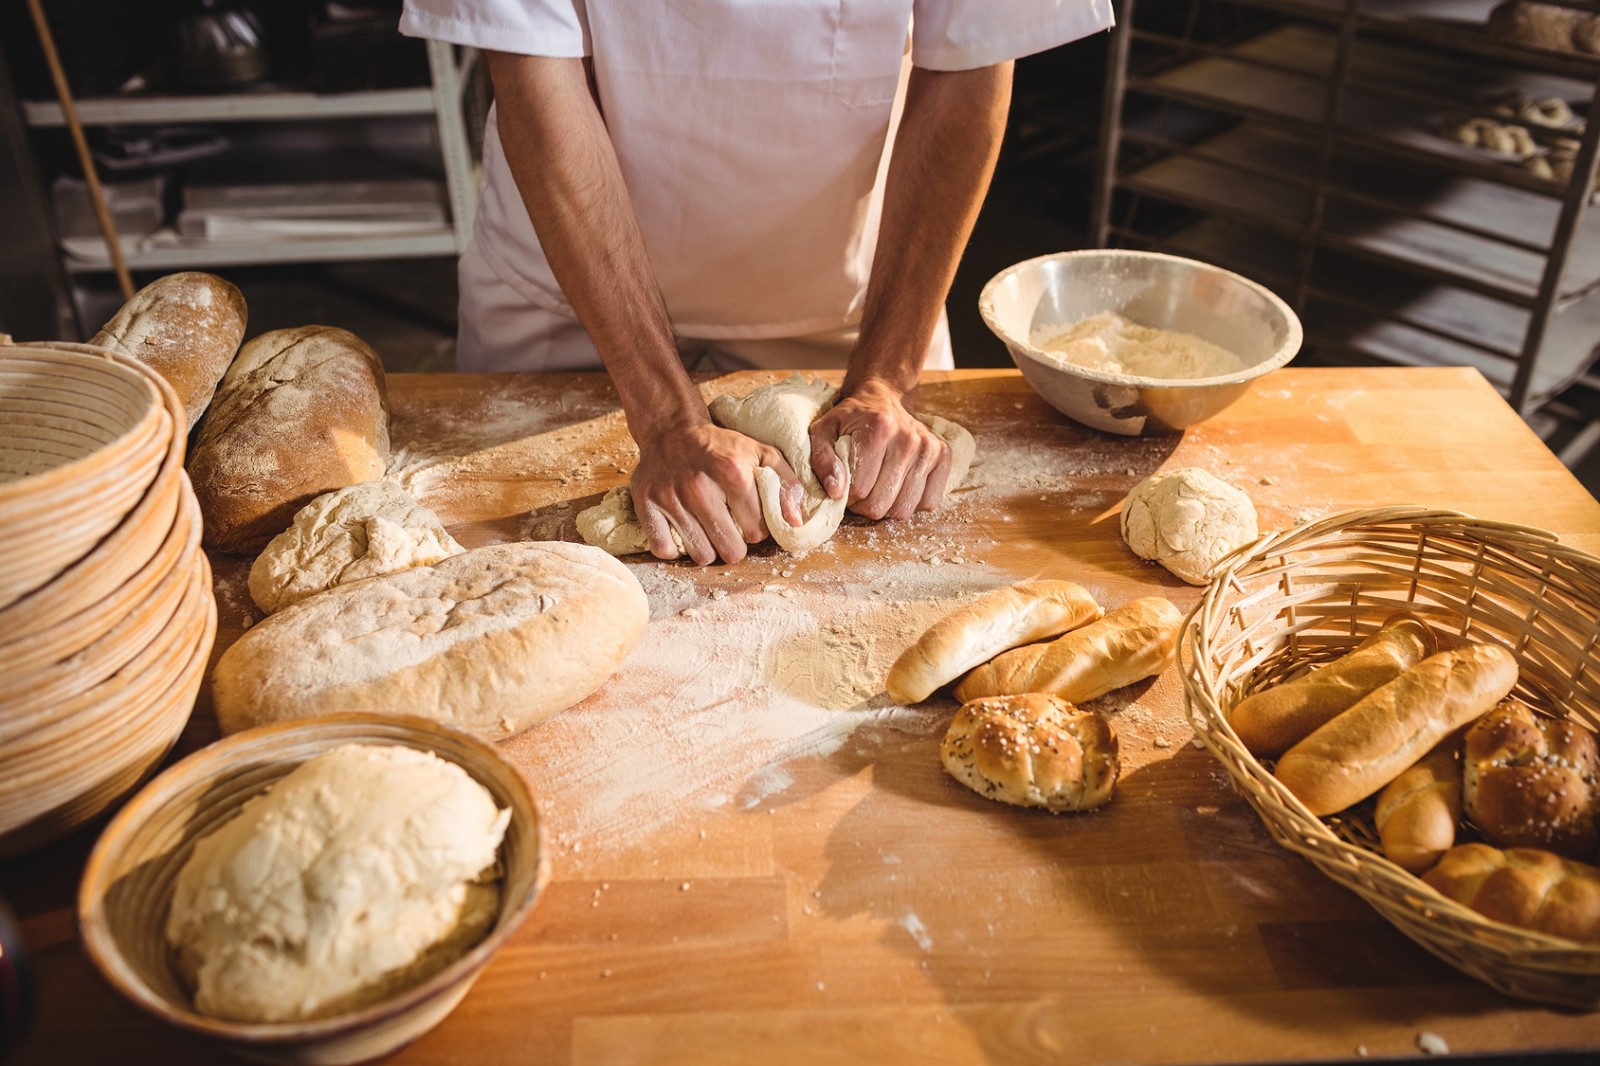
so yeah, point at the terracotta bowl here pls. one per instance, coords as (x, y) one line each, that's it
(127, 884)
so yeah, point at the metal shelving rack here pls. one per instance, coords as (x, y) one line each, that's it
(441, 101)
(1297, 142)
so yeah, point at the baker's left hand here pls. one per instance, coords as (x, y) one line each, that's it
(899, 466)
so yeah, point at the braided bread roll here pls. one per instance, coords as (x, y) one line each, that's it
(1525, 887)
(1032, 750)
(1533, 782)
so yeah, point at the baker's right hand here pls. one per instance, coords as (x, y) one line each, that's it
(700, 482)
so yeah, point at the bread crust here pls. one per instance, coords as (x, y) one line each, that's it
(1272, 721)
(1392, 727)
(1532, 781)
(490, 641)
(1418, 812)
(300, 412)
(1135, 641)
(1033, 750)
(995, 622)
(186, 327)
(1526, 887)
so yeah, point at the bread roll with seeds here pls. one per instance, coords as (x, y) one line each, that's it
(1532, 781)
(1032, 750)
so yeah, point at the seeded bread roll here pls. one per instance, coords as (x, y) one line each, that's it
(1533, 782)
(1525, 887)
(300, 412)
(1272, 721)
(186, 327)
(1032, 750)
(1418, 812)
(1392, 727)
(1132, 642)
(993, 623)
(490, 642)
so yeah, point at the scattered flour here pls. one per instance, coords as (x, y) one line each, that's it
(1111, 343)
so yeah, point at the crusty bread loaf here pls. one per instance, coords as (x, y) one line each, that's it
(1419, 811)
(1526, 887)
(1533, 782)
(491, 642)
(1032, 750)
(1389, 729)
(1549, 26)
(186, 327)
(1272, 721)
(1132, 642)
(299, 413)
(993, 623)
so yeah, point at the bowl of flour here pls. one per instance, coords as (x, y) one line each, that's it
(1137, 343)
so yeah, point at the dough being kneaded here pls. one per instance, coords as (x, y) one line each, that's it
(362, 872)
(1032, 750)
(365, 530)
(1187, 520)
(779, 414)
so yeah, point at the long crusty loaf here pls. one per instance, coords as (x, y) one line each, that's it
(1419, 811)
(1533, 782)
(1525, 887)
(995, 622)
(299, 413)
(186, 327)
(1132, 642)
(1389, 729)
(490, 641)
(1272, 721)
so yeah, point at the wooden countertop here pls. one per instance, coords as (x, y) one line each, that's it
(758, 858)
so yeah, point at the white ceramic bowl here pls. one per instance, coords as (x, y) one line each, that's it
(1051, 293)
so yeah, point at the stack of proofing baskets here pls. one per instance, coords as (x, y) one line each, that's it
(106, 611)
(1304, 596)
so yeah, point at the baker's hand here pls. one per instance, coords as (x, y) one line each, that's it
(899, 466)
(700, 481)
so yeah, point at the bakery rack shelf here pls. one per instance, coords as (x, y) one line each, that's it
(239, 107)
(1301, 142)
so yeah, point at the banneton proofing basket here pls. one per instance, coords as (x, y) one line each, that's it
(1303, 596)
(1053, 292)
(127, 883)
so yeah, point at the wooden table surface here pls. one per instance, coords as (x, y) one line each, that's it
(757, 858)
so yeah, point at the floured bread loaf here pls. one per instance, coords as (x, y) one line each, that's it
(186, 327)
(490, 641)
(1533, 782)
(1187, 520)
(995, 622)
(1032, 750)
(1550, 26)
(362, 531)
(780, 415)
(1132, 642)
(362, 872)
(299, 413)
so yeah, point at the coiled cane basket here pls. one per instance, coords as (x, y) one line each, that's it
(1304, 596)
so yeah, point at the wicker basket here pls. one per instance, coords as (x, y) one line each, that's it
(1304, 596)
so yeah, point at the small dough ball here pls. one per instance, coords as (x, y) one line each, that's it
(1032, 750)
(1187, 520)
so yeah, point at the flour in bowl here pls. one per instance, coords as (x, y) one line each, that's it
(1111, 343)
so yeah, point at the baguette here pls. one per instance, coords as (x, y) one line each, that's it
(993, 623)
(300, 412)
(1272, 721)
(1132, 642)
(1525, 887)
(1391, 728)
(186, 327)
(1418, 811)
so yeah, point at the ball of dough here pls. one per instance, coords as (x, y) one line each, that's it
(1187, 520)
(361, 531)
(1032, 750)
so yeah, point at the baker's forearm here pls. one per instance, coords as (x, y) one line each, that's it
(566, 169)
(944, 155)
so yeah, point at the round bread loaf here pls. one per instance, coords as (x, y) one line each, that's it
(1525, 887)
(1032, 750)
(186, 327)
(299, 413)
(490, 641)
(1533, 782)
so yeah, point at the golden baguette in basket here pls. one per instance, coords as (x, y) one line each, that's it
(1419, 812)
(1272, 721)
(1390, 729)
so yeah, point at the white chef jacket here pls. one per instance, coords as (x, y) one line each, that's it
(751, 134)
